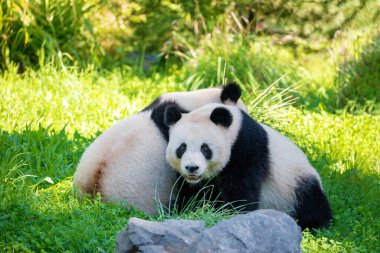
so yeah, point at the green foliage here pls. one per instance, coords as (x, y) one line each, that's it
(358, 79)
(310, 19)
(32, 31)
(220, 59)
(173, 21)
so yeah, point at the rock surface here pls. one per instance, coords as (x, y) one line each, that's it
(258, 231)
(149, 236)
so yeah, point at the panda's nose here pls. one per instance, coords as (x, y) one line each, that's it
(192, 169)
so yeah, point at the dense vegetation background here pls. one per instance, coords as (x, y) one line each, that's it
(72, 68)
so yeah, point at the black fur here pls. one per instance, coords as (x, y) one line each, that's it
(221, 116)
(206, 151)
(231, 91)
(158, 115)
(172, 114)
(313, 209)
(181, 150)
(155, 103)
(240, 181)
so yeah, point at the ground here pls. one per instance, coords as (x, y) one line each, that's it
(49, 117)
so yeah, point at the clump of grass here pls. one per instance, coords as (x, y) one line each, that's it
(250, 62)
(202, 206)
(272, 105)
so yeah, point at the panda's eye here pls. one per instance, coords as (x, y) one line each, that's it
(206, 151)
(181, 150)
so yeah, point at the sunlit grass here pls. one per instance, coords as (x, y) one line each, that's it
(86, 101)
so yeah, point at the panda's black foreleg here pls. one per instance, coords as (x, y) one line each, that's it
(242, 199)
(240, 189)
(313, 209)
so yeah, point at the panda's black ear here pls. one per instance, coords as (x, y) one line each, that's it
(172, 115)
(221, 116)
(230, 92)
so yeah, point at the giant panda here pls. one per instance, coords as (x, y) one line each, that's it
(127, 161)
(249, 164)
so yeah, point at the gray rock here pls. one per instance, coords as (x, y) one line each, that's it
(152, 249)
(148, 236)
(258, 231)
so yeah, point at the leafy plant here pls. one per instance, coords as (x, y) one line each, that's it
(32, 31)
(251, 63)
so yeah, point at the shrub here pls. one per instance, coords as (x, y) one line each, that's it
(33, 29)
(251, 62)
(159, 26)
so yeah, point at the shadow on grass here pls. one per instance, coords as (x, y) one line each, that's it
(359, 78)
(354, 199)
(39, 214)
(43, 152)
(356, 87)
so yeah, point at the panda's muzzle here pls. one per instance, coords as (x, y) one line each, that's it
(191, 176)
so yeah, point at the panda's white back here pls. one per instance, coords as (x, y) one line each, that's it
(288, 164)
(194, 99)
(107, 164)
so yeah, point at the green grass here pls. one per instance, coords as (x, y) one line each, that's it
(49, 117)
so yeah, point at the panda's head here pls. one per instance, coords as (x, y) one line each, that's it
(200, 141)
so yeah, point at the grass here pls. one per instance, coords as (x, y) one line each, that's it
(48, 118)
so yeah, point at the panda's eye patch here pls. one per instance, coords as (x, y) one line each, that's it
(206, 151)
(181, 150)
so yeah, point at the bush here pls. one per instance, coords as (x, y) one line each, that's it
(159, 26)
(33, 29)
(251, 62)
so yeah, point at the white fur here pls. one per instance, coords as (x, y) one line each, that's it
(127, 162)
(121, 153)
(287, 164)
(195, 99)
